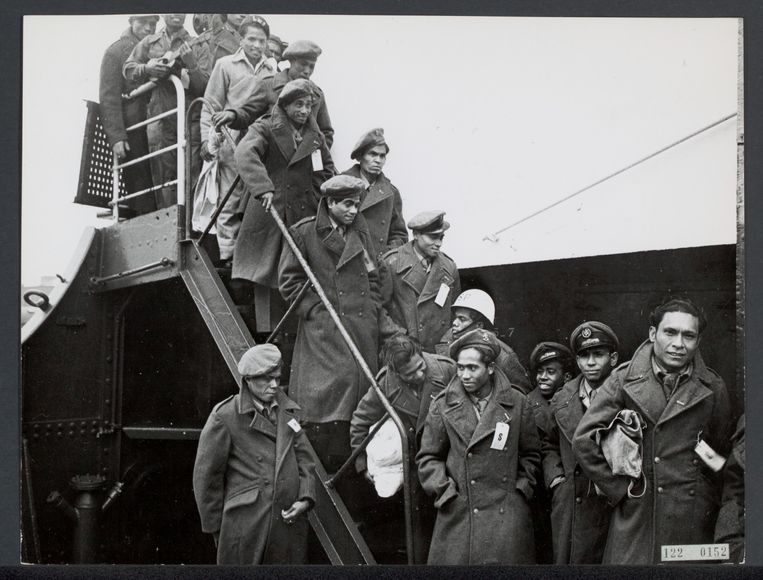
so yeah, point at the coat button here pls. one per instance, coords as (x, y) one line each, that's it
(659, 489)
(500, 511)
(656, 459)
(469, 454)
(577, 471)
(578, 500)
(691, 492)
(360, 314)
(362, 292)
(476, 510)
(472, 482)
(695, 461)
(259, 458)
(384, 221)
(410, 429)
(341, 293)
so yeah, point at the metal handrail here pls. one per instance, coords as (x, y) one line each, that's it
(407, 496)
(180, 146)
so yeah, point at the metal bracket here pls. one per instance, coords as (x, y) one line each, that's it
(163, 263)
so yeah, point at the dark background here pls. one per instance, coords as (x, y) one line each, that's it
(10, 131)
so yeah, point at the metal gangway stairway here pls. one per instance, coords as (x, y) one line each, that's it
(130, 257)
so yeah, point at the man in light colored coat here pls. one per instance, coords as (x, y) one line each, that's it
(232, 81)
(253, 478)
(685, 407)
(479, 457)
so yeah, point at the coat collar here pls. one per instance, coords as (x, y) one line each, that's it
(412, 272)
(374, 194)
(404, 400)
(645, 390)
(283, 132)
(460, 413)
(128, 35)
(347, 249)
(568, 408)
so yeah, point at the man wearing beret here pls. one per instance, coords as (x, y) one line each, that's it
(325, 377)
(253, 478)
(118, 114)
(420, 283)
(684, 408)
(579, 516)
(479, 457)
(302, 56)
(382, 205)
(283, 160)
(410, 380)
(474, 309)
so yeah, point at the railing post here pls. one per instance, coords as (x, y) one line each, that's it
(181, 165)
(115, 188)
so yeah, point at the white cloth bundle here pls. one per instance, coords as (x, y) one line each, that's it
(384, 456)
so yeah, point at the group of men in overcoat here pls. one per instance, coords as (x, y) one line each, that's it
(487, 451)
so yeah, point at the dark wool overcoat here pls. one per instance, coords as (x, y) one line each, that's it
(682, 493)
(268, 160)
(579, 517)
(325, 379)
(410, 293)
(117, 114)
(265, 97)
(507, 361)
(382, 207)
(247, 471)
(482, 494)
(412, 410)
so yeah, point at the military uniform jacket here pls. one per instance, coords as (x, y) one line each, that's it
(507, 361)
(682, 494)
(155, 46)
(412, 409)
(116, 113)
(265, 97)
(482, 494)
(382, 207)
(325, 379)
(268, 160)
(579, 517)
(247, 470)
(410, 293)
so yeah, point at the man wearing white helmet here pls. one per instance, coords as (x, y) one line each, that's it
(475, 309)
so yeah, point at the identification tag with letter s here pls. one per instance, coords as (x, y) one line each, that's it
(317, 160)
(500, 436)
(295, 426)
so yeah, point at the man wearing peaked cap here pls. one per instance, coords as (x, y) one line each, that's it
(276, 47)
(479, 457)
(282, 160)
(420, 283)
(551, 364)
(686, 417)
(382, 205)
(579, 519)
(474, 309)
(302, 56)
(326, 379)
(264, 524)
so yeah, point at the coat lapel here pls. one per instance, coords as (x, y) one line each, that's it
(261, 424)
(376, 193)
(495, 412)
(413, 273)
(437, 276)
(459, 411)
(571, 410)
(690, 392)
(352, 247)
(328, 235)
(286, 413)
(310, 141)
(642, 386)
(283, 133)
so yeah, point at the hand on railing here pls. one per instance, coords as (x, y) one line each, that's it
(121, 149)
(267, 200)
(155, 68)
(223, 118)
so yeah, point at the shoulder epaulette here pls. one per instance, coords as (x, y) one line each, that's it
(221, 403)
(390, 252)
(304, 221)
(380, 375)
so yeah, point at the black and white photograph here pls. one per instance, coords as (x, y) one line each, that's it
(311, 289)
